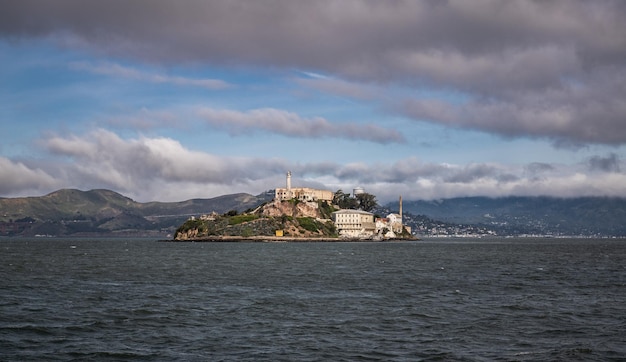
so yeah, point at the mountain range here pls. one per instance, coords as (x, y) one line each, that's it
(105, 212)
(580, 216)
(71, 212)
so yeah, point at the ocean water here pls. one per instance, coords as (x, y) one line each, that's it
(443, 300)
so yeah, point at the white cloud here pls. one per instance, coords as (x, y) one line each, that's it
(291, 124)
(152, 167)
(16, 178)
(162, 169)
(120, 71)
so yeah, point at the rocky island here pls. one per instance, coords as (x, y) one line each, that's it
(276, 220)
(298, 214)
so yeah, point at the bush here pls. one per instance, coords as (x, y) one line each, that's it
(330, 228)
(326, 209)
(308, 223)
(238, 219)
(200, 225)
(247, 232)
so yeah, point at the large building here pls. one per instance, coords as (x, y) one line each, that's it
(354, 223)
(302, 193)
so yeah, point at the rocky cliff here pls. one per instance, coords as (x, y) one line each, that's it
(278, 208)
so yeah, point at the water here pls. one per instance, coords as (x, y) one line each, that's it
(472, 300)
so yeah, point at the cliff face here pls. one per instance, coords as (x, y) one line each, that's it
(294, 209)
(187, 234)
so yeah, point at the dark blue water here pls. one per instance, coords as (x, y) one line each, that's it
(473, 300)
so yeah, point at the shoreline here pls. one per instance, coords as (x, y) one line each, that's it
(276, 239)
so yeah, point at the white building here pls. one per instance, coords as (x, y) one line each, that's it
(395, 222)
(391, 226)
(383, 228)
(354, 223)
(302, 193)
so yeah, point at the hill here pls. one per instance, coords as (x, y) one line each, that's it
(296, 219)
(584, 216)
(105, 212)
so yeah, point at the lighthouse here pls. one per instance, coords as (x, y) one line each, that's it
(289, 196)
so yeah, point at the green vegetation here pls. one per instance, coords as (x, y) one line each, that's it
(328, 228)
(364, 201)
(107, 212)
(247, 232)
(200, 225)
(308, 223)
(315, 226)
(344, 201)
(284, 219)
(238, 219)
(367, 202)
(326, 209)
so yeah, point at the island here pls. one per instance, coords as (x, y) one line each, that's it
(300, 214)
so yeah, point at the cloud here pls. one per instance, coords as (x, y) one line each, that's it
(542, 69)
(16, 178)
(434, 181)
(290, 124)
(107, 157)
(610, 163)
(339, 87)
(117, 70)
(161, 169)
(153, 168)
(593, 112)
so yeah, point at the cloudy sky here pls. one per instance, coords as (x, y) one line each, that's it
(171, 100)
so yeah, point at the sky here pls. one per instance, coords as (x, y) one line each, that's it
(171, 100)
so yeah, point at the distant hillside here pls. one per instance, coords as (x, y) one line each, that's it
(107, 213)
(104, 212)
(529, 215)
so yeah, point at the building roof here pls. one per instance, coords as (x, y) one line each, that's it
(351, 211)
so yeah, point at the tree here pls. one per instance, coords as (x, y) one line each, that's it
(344, 201)
(366, 201)
(339, 197)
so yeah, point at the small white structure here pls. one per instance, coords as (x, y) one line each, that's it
(383, 229)
(357, 191)
(354, 223)
(392, 225)
(395, 222)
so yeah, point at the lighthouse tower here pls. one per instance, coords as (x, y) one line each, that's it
(289, 195)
